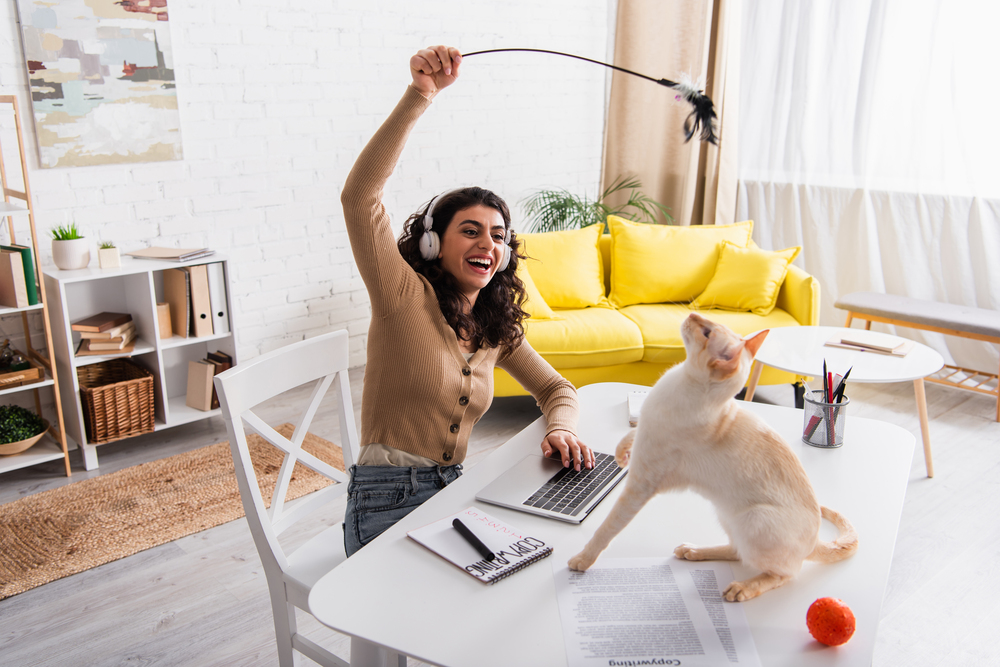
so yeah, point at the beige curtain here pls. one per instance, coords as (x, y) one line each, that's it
(644, 137)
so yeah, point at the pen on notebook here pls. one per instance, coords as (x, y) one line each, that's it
(471, 538)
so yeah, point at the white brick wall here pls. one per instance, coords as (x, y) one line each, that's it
(275, 104)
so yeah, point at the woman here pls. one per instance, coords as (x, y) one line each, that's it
(445, 311)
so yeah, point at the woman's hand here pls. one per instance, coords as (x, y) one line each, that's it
(434, 69)
(567, 446)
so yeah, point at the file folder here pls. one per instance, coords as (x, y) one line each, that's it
(217, 297)
(201, 306)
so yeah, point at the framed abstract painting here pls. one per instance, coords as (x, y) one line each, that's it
(102, 81)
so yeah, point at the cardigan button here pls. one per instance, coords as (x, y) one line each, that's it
(454, 428)
(446, 456)
(464, 400)
(466, 372)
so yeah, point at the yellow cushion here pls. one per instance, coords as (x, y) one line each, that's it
(534, 304)
(664, 263)
(747, 279)
(661, 327)
(585, 337)
(566, 266)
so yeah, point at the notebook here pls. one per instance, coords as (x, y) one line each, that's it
(512, 549)
(542, 486)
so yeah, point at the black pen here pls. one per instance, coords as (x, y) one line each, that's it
(471, 538)
(839, 395)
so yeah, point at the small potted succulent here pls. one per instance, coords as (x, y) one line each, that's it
(69, 250)
(108, 256)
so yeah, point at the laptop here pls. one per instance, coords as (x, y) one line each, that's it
(542, 486)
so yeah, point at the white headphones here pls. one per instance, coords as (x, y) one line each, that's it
(430, 242)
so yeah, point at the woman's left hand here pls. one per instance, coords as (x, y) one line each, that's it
(569, 448)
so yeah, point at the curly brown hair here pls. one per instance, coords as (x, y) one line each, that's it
(496, 319)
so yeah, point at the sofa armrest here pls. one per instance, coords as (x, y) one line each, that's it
(799, 296)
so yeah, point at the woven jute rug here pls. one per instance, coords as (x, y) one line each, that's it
(73, 528)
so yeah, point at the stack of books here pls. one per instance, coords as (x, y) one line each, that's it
(105, 333)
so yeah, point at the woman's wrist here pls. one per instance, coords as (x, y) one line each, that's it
(425, 94)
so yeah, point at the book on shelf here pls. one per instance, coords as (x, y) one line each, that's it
(114, 332)
(199, 385)
(13, 287)
(101, 322)
(512, 549)
(112, 344)
(872, 341)
(222, 362)
(29, 271)
(84, 349)
(171, 254)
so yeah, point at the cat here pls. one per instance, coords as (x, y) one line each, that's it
(693, 434)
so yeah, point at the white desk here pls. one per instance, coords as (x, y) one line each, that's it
(801, 350)
(398, 594)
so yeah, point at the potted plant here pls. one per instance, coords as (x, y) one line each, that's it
(69, 250)
(555, 210)
(108, 256)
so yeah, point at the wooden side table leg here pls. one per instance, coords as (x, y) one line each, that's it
(754, 379)
(918, 387)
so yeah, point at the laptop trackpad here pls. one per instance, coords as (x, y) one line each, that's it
(521, 480)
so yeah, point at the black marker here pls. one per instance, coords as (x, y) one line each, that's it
(471, 538)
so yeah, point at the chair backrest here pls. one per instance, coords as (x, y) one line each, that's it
(322, 360)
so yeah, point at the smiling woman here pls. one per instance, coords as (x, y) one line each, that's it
(446, 309)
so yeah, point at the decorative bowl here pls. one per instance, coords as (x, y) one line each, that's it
(9, 448)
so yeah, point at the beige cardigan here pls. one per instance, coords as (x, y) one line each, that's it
(420, 395)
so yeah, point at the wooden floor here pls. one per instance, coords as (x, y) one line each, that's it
(202, 600)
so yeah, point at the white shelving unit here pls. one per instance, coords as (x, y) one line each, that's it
(134, 288)
(19, 213)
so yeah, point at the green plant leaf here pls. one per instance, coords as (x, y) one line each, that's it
(557, 210)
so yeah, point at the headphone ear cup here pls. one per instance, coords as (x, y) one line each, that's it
(505, 260)
(506, 252)
(430, 245)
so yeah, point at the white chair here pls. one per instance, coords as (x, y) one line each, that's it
(322, 360)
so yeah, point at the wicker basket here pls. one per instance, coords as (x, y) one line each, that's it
(117, 397)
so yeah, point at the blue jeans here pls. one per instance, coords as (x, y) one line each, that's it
(379, 496)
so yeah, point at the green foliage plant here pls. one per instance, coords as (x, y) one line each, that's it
(557, 210)
(107, 245)
(66, 232)
(17, 424)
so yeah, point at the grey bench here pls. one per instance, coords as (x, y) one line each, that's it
(946, 318)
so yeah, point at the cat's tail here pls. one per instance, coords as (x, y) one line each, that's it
(842, 547)
(624, 449)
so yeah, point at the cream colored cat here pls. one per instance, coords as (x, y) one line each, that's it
(693, 434)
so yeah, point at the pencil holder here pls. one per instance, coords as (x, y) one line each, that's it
(822, 422)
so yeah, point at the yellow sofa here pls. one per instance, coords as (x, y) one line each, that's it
(608, 306)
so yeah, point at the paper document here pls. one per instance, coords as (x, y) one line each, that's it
(652, 611)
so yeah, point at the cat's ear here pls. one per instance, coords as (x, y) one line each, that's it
(754, 342)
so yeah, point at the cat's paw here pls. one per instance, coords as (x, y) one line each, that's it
(688, 552)
(739, 592)
(580, 562)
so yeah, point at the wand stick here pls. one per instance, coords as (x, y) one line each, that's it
(703, 116)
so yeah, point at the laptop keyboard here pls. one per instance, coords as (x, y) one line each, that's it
(569, 491)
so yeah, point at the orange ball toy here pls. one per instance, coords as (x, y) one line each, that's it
(830, 621)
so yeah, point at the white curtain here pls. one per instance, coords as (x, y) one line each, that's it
(869, 136)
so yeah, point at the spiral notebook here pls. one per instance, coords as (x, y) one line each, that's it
(513, 549)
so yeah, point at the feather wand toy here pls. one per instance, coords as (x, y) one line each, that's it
(700, 121)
